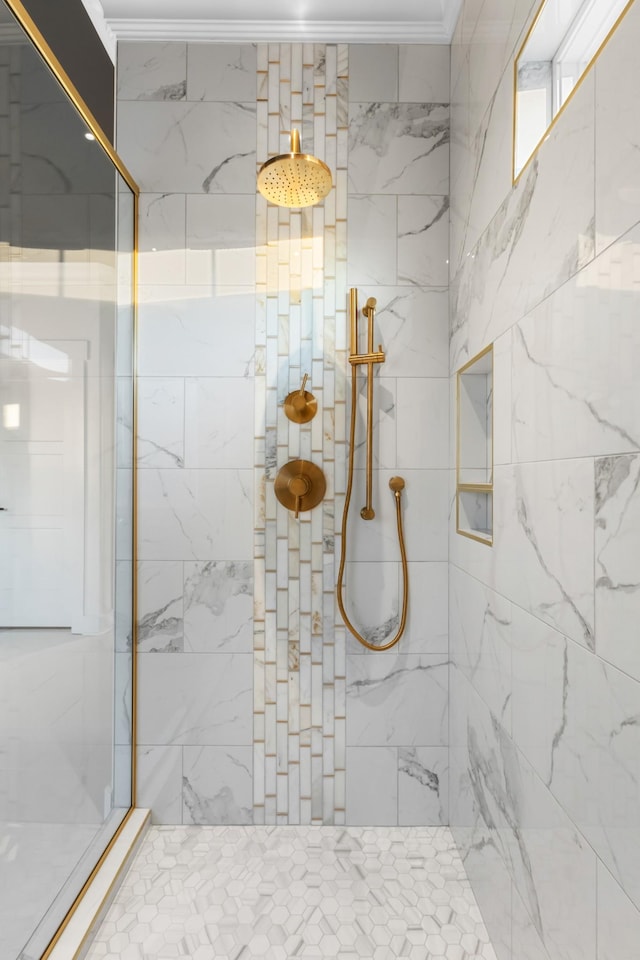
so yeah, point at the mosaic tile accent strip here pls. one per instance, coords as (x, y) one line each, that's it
(229, 892)
(299, 654)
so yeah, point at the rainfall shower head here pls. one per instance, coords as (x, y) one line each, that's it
(294, 179)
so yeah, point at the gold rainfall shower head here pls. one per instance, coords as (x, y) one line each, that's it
(294, 179)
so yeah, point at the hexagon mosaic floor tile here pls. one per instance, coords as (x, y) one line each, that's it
(238, 893)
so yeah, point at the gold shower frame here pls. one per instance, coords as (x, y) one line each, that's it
(473, 487)
(515, 177)
(29, 26)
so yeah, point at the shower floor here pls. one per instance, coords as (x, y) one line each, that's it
(234, 893)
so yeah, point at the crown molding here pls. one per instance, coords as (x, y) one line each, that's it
(283, 31)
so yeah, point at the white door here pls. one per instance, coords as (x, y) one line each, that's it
(41, 408)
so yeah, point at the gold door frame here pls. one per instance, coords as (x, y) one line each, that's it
(28, 25)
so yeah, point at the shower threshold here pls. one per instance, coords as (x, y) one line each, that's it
(280, 892)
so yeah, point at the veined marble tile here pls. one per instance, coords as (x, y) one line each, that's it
(425, 501)
(217, 785)
(423, 423)
(551, 864)
(423, 241)
(399, 148)
(161, 238)
(189, 147)
(211, 697)
(618, 920)
(160, 606)
(480, 627)
(221, 71)
(372, 595)
(423, 73)
(372, 786)
(194, 323)
(413, 325)
(152, 71)
(525, 939)
(543, 530)
(221, 241)
(373, 240)
(526, 253)
(617, 130)
(423, 785)
(373, 72)
(397, 700)
(161, 422)
(384, 421)
(218, 607)
(617, 541)
(219, 422)
(195, 514)
(159, 782)
(575, 363)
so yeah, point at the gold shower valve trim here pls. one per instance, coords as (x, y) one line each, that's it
(300, 405)
(300, 486)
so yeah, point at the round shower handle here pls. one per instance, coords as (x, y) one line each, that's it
(300, 486)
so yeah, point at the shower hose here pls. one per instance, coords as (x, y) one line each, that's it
(396, 484)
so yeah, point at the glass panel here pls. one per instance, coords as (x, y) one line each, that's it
(66, 321)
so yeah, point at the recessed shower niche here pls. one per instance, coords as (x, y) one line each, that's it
(474, 448)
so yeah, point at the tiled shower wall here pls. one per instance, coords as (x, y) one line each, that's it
(545, 684)
(253, 705)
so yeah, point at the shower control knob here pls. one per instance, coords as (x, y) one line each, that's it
(300, 486)
(301, 405)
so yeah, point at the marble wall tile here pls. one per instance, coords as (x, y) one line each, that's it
(218, 607)
(195, 514)
(161, 238)
(526, 943)
(423, 786)
(217, 785)
(373, 240)
(399, 700)
(221, 241)
(399, 148)
(384, 421)
(423, 231)
(189, 147)
(543, 523)
(195, 324)
(159, 784)
(427, 619)
(425, 502)
(423, 73)
(372, 786)
(152, 71)
(524, 255)
(616, 132)
(211, 698)
(373, 598)
(575, 364)
(617, 541)
(373, 72)
(221, 71)
(219, 422)
(618, 920)
(414, 329)
(161, 422)
(423, 423)
(160, 606)
(480, 624)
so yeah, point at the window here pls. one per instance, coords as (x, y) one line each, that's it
(564, 38)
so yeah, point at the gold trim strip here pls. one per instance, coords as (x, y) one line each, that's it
(78, 900)
(475, 487)
(583, 75)
(488, 542)
(27, 23)
(134, 513)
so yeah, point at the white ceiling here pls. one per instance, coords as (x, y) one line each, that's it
(353, 21)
